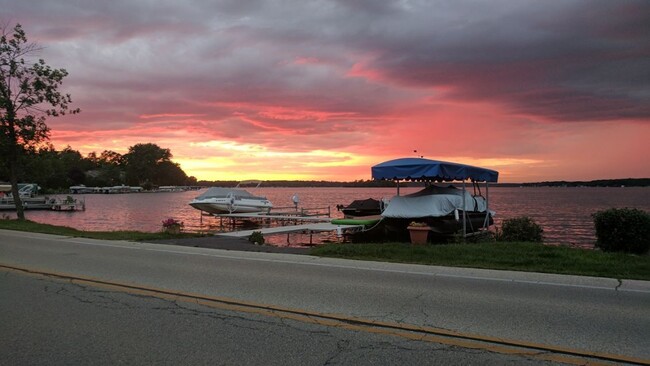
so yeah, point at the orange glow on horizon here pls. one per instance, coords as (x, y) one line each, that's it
(232, 160)
(542, 99)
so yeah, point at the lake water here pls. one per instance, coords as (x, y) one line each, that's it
(563, 212)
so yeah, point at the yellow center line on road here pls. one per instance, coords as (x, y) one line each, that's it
(408, 331)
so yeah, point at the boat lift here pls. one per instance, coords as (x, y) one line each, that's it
(426, 170)
(309, 220)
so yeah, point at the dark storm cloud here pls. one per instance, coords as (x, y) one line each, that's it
(566, 61)
(330, 79)
(561, 60)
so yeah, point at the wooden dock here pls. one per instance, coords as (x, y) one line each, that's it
(286, 221)
(275, 216)
(44, 203)
(310, 228)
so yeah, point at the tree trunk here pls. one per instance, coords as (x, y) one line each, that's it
(13, 158)
(13, 178)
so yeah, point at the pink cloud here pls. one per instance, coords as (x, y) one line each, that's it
(344, 86)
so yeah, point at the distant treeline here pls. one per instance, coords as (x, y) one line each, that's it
(149, 166)
(145, 165)
(627, 182)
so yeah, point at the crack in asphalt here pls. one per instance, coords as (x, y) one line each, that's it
(344, 349)
(115, 300)
(302, 327)
(340, 348)
(99, 297)
(109, 299)
(422, 306)
(404, 310)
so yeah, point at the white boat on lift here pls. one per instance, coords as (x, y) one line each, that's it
(218, 200)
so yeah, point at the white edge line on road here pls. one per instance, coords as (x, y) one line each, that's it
(138, 246)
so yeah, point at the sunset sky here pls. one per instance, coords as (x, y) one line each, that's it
(236, 89)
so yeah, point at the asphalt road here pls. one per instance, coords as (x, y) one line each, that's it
(593, 314)
(47, 321)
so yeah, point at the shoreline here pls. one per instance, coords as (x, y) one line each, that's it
(228, 243)
(519, 256)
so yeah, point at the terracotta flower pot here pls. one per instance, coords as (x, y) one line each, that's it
(419, 234)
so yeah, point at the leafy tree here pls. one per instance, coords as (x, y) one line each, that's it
(28, 95)
(142, 162)
(74, 166)
(109, 157)
(92, 159)
(108, 175)
(45, 167)
(107, 169)
(169, 173)
(55, 170)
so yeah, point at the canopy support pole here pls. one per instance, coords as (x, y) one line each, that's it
(486, 222)
(464, 212)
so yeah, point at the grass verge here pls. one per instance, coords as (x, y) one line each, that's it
(36, 227)
(528, 257)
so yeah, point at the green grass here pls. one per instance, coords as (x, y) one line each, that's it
(528, 257)
(36, 227)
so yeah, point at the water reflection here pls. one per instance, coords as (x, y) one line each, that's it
(564, 213)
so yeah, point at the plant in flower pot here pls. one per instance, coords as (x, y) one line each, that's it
(172, 226)
(419, 232)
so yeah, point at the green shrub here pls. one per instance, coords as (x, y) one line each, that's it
(520, 229)
(622, 230)
(257, 238)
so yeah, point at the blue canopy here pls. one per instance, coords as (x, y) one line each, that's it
(425, 169)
